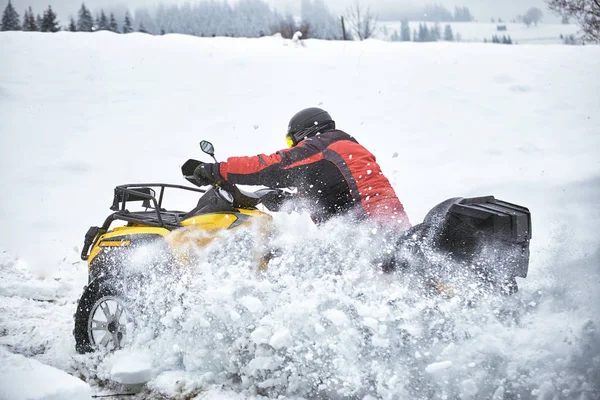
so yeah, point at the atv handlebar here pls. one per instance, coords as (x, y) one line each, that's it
(271, 198)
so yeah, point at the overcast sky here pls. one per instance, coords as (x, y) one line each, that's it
(483, 10)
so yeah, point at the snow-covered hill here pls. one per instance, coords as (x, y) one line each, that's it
(82, 113)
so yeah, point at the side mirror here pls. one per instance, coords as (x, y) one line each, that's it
(207, 147)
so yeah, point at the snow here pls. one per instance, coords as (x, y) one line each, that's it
(24, 378)
(82, 113)
(131, 368)
(438, 367)
(281, 338)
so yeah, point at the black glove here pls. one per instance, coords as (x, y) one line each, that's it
(188, 168)
(208, 174)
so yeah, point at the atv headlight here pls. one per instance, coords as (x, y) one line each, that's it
(225, 195)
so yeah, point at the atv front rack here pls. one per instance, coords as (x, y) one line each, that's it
(154, 215)
(147, 195)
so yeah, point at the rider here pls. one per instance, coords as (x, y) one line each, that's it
(328, 167)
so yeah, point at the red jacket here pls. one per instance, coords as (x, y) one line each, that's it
(333, 171)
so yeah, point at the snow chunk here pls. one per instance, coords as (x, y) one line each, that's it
(25, 378)
(131, 368)
(498, 393)
(281, 338)
(319, 329)
(260, 335)
(170, 382)
(378, 341)
(371, 323)
(264, 363)
(469, 389)
(253, 304)
(438, 367)
(337, 317)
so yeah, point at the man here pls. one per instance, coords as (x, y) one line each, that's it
(330, 169)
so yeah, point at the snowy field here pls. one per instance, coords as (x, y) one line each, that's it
(479, 31)
(81, 113)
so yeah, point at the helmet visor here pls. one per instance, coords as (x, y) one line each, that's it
(289, 140)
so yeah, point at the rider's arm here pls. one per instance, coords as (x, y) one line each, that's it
(281, 169)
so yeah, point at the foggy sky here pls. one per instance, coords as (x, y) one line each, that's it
(482, 10)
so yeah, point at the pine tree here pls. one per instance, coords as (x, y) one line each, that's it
(102, 22)
(436, 33)
(24, 24)
(112, 25)
(127, 28)
(29, 21)
(421, 37)
(38, 22)
(462, 14)
(49, 22)
(72, 26)
(85, 23)
(448, 34)
(404, 31)
(142, 28)
(10, 19)
(425, 34)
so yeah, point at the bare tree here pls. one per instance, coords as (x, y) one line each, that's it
(362, 22)
(533, 15)
(586, 13)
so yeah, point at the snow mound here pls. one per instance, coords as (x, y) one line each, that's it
(23, 378)
(23, 283)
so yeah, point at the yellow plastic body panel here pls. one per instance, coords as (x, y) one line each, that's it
(222, 220)
(104, 240)
(197, 232)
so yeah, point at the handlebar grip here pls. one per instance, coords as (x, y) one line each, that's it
(188, 168)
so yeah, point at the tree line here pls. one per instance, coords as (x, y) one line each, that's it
(248, 18)
(252, 18)
(424, 33)
(46, 22)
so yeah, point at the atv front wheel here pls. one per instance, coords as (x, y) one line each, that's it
(101, 319)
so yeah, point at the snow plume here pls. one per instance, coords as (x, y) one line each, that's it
(324, 322)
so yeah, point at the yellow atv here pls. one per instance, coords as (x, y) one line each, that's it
(101, 319)
(487, 236)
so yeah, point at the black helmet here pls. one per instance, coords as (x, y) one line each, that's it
(307, 123)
